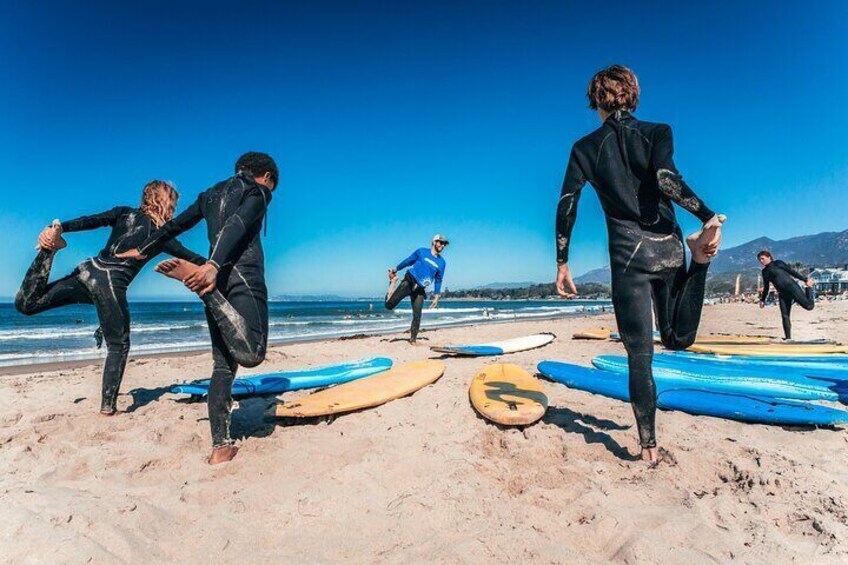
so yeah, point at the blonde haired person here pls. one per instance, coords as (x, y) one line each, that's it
(102, 281)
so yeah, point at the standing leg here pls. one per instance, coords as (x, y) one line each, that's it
(632, 307)
(418, 296)
(784, 299)
(114, 315)
(220, 397)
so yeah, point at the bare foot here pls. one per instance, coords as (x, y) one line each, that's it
(650, 455)
(415, 343)
(51, 238)
(705, 242)
(105, 414)
(223, 454)
(176, 269)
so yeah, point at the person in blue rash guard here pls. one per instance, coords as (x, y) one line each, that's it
(426, 267)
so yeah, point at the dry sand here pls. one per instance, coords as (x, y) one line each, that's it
(419, 479)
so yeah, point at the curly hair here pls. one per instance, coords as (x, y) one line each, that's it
(158, 201)
(613, 88)
(257, 164)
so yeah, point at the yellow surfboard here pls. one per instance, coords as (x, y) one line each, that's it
(397, 382)
(772, 349)
(732, 340)
(593, 333)
(507, 394)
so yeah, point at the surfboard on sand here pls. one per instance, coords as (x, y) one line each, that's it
(744, 407)
(788, 350)
(593, 333)
(498, 347)
(507, 394)
(284, 381)
(398, 382)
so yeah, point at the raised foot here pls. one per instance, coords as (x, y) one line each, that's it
(54, 241)
(705, 242)
(223, 454)
(176, 269)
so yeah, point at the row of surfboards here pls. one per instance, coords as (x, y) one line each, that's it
(747, 345)
(784, 390)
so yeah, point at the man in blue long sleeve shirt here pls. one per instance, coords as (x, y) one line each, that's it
(426, 267)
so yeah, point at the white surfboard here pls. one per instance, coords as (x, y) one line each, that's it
(498, 347)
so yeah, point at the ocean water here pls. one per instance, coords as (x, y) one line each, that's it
(68, 333)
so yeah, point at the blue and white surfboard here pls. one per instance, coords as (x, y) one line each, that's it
(498, 347)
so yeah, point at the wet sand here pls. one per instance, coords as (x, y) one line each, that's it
(419, 479)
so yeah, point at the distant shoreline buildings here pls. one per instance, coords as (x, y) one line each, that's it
(830, 280)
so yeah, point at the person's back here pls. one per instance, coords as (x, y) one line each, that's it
(220, 206)
(621, 161)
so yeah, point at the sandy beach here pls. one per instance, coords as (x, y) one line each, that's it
(421, 479)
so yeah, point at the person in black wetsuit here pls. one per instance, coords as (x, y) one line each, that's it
(103, 280)
(781, 275)
(629, 163)
(231, 282)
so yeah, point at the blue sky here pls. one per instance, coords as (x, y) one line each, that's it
(395, 120)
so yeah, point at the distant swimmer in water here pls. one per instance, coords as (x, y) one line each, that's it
(629, 163)
(427, 266)
(231, 283)
(782, 276)
(103, 280)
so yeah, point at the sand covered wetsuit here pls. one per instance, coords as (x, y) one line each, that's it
(237, 311)
(102, 281)
(782, 276)
(424, 269)
(630, 165)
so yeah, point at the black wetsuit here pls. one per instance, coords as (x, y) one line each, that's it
(410, 287)
(782, 276)
(237, 311)
(630, 165)
(102, 281)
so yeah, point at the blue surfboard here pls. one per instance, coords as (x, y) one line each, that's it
(746, 408)
(833, 377)
(835, 360)
(777, 383)
(275, 383)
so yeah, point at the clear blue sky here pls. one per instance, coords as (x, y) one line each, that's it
(395, 120)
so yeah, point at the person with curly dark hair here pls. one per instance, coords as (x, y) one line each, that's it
(103, 280)
(231, 283)
(629, 163)
(778, 273)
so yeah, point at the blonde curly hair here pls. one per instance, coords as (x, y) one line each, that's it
(159, 201)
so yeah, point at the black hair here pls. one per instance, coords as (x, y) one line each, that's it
(257, 164)
(764, 253)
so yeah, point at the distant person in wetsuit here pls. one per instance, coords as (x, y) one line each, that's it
(103, 280)
(782, 276)
(629, 163)
(426, 266)
(231, 283)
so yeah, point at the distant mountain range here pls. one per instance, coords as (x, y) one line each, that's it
(499, 286)
(827, 249)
